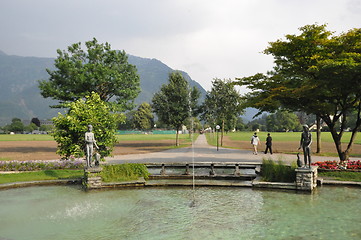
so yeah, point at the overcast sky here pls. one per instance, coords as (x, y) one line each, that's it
(205, 38)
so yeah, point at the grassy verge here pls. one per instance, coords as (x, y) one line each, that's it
(40, 175)
(277, 172)
(290, 136)
(26, 137)
(124, 172)
(341, 176)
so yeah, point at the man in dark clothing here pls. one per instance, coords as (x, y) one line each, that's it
(268, 144)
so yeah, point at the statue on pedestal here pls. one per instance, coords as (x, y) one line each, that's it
(89, 144)
(305, 144)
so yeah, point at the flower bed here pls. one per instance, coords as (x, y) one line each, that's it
(334, 165)
(40, 165)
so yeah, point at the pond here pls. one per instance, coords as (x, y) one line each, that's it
(64, 212)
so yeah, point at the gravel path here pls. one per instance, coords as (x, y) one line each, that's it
(202, 152)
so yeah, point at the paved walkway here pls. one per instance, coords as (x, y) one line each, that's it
(202, 152)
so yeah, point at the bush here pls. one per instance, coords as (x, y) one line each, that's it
(70, 128)
(124, 172)
(277, 172)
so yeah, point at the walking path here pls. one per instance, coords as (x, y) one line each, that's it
(203, 152)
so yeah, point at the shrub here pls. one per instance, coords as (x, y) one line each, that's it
(277, 172)
(70, 128)
(124, 172)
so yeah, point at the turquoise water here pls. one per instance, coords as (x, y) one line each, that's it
(64, 212)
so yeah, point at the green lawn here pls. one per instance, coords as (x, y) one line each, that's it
(290, 136)
(341, 176)
(150, 137)
(41, 175)
(130, 137)
(26, 137)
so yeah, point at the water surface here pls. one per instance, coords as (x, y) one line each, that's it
(63, 212)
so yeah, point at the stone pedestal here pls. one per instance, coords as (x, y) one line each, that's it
(92, 178)
(306, 178)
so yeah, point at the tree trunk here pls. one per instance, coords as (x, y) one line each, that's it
(318, 120)
(343, 155)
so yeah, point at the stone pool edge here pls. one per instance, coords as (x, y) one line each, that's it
(143, 183)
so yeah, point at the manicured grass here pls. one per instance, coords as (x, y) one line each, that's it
(130, 137)
(341, 175)
(40, 175)
(26, 137)
(290, 136)
(151, 137)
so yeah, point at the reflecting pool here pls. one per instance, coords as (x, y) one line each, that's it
(63, 212)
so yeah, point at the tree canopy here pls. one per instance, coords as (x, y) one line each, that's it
(175, 102)
(97, 69)
(315, 72)
(222, 105)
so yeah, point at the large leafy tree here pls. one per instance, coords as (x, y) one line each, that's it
(222, 105)
(97, 69)
(70, 127)
(175, 102)
(317, 73)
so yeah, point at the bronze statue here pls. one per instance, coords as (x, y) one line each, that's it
(305, 144)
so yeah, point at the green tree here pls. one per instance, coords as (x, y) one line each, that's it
(193, 124)
(143, 118)
(36, 121)
(70, 128)
(46, 128)
(175, 102)
(317, 73)
(128, 123)
(97, 69)
(282, 121)
(16, 126)
(240, 125)
(222, 105)
(31, 127)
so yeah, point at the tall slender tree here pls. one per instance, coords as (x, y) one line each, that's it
(222, 105)
(143, 118)
(175, 102)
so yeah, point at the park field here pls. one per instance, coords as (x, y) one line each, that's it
(290, 136)
(288, 142)
(43, 147)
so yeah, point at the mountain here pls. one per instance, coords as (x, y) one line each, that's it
(20, 96)
(153, 74)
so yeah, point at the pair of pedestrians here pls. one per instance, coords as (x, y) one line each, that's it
(255, 141)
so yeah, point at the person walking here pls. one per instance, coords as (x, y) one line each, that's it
(255, 142)
(268, 144)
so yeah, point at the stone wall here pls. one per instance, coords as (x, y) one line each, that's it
(306, 178)
(92, 178)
